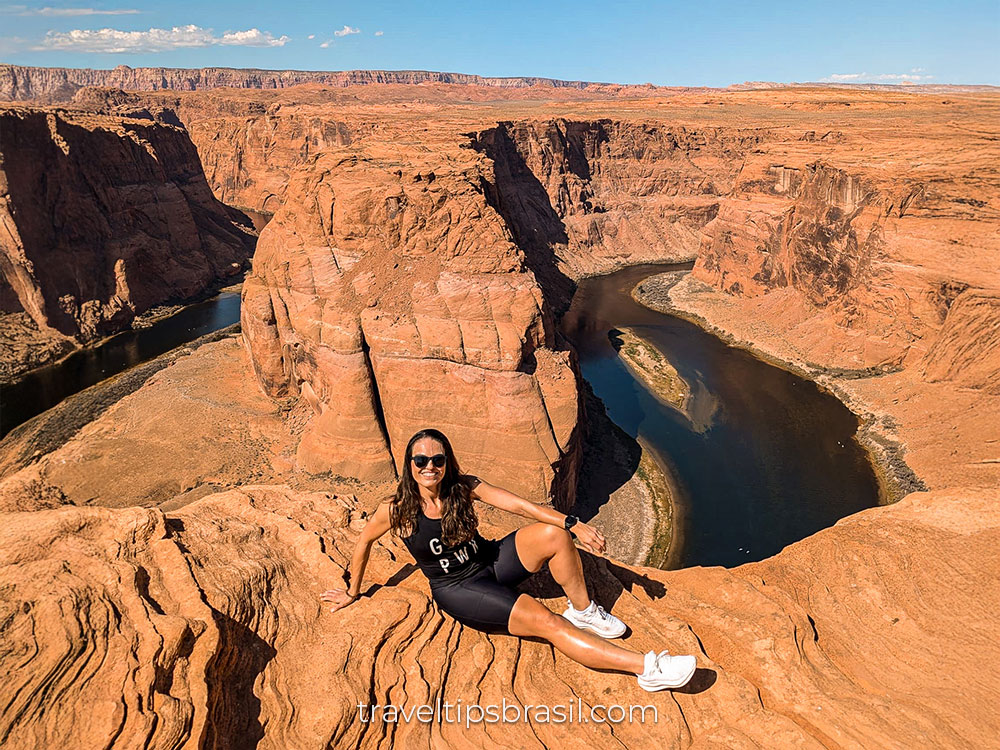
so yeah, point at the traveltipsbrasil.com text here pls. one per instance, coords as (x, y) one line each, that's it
(505, 713)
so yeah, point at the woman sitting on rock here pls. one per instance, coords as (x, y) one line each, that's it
(473, 579)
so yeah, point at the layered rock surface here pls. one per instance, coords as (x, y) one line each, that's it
(876, 273)
(20, 82)
(101, 219)
(868, 263)
(203, 627)
(806, 213)
(390, 299)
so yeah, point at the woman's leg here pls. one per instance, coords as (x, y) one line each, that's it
(529, 617)
(539, 543)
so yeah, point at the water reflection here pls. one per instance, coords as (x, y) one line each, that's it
(762, 457)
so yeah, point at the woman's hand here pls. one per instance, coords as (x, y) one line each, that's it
(590, 538)
(339, 598)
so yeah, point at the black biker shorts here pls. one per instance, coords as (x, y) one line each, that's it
(484, 600)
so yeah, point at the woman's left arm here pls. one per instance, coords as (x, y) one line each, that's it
(590, 538)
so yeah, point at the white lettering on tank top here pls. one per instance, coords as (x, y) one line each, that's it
(461, 555)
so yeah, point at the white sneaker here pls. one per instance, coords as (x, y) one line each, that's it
(665, 671)
(595, 619)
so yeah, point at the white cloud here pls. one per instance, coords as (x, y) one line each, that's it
(24, 10)
(154, 40)
(347, 30)
(911, 77)
(311, 36)
(325, 44)
(252, 38)
(379, 33)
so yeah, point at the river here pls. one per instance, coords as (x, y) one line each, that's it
(763, 458)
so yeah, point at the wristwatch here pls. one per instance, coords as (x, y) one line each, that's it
(570, 522)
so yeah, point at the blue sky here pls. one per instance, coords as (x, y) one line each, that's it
(712, 43)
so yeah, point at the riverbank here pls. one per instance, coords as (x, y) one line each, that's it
(162, 312)
(625, 492)
(662, 500)
(24, 350)
(919, 435)
(54, 427)
(165, 328)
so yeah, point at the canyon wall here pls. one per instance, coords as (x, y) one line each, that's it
(19, 82)
(102, 219)
(588, 197)
(412, 273)
(867, 268)
(396, 272)
(248, 147)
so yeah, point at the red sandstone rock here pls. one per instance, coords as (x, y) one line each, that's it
(855, 239)
(204, 625)
(19, 82)
(102, 219)
(392, 300)
(195, 426)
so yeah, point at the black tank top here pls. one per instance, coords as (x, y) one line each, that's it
(442, 564)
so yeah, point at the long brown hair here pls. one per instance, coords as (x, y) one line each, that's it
(458, 517)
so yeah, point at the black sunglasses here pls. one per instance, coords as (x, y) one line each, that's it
(438, 460)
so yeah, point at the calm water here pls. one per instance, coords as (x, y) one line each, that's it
(46, 387)
(764, 459)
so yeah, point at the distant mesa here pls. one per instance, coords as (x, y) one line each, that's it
(22, 83)
(49, 85)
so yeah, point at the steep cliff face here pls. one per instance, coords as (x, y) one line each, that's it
(103, 218)
(593, 196)
(388, 295)
(19, 82)
(966, 350)
(203, 626)
(403, 281)
(392, 273)
(861, 263)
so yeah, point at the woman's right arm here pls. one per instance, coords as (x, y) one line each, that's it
(376, 527)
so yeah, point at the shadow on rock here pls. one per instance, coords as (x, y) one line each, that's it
(233, 707)
(610, 457)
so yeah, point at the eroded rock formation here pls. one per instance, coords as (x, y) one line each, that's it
(203, 627)
(390, 299)
(598, 195)
(867, 257)
(20, 82)
(102, 219)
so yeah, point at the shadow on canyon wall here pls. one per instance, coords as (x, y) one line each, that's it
(521, 199)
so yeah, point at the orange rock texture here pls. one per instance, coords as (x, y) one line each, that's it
(202, 627)
(101, 219)
(422, 245)
(386, 297)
